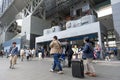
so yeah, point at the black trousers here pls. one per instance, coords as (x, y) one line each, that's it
(28, 57)
(69, 60)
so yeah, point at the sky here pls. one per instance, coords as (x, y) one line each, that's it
(105, 11)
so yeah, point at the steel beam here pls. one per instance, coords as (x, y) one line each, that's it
(9, 15)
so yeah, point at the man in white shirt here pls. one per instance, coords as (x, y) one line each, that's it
(33, 52)
(22, 53)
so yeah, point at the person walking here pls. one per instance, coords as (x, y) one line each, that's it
(69, 52)
(39, 53)
(22, 54)
(7, 53)
(107, 53)
(42, 51)
(27, 52)
(98, 50)
(88, 52)
(55, 46)
(33, 52)
(13, 54)
(2, 53)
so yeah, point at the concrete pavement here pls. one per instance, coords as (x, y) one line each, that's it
(39, 70)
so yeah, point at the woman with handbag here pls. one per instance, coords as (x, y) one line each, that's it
(56, 51)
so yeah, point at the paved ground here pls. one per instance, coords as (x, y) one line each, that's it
(39, 70)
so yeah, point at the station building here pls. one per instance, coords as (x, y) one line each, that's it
(68, 19)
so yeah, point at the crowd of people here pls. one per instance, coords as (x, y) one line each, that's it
(28, 53)
(88, 52)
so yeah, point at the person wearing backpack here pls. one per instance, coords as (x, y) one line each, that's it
(88, 52)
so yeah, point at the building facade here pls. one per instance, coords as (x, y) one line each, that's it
(116, 20)
(44, 14)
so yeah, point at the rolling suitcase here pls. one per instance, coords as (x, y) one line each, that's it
(78, 68)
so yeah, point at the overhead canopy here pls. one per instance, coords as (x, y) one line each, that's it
(101, 3)
(74, 32)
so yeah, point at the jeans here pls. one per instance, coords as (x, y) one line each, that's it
(98, 55)
(69, 60)
(57, 62)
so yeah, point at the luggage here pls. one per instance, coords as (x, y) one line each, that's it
(78, 68)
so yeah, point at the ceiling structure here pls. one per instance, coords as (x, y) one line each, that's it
(101, 3)
(10, 13)
(49, 6)
(14, 28)
(107, 21)
(54, 6)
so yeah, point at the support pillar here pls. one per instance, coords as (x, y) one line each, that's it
(101, 43)
(116, 20)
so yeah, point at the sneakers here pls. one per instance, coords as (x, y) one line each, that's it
(90, 74)
(12, 67)
(60, 72)
(51, 70)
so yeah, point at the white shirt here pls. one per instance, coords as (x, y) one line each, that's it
(33, 51)
(21, 51)
(27, 52)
